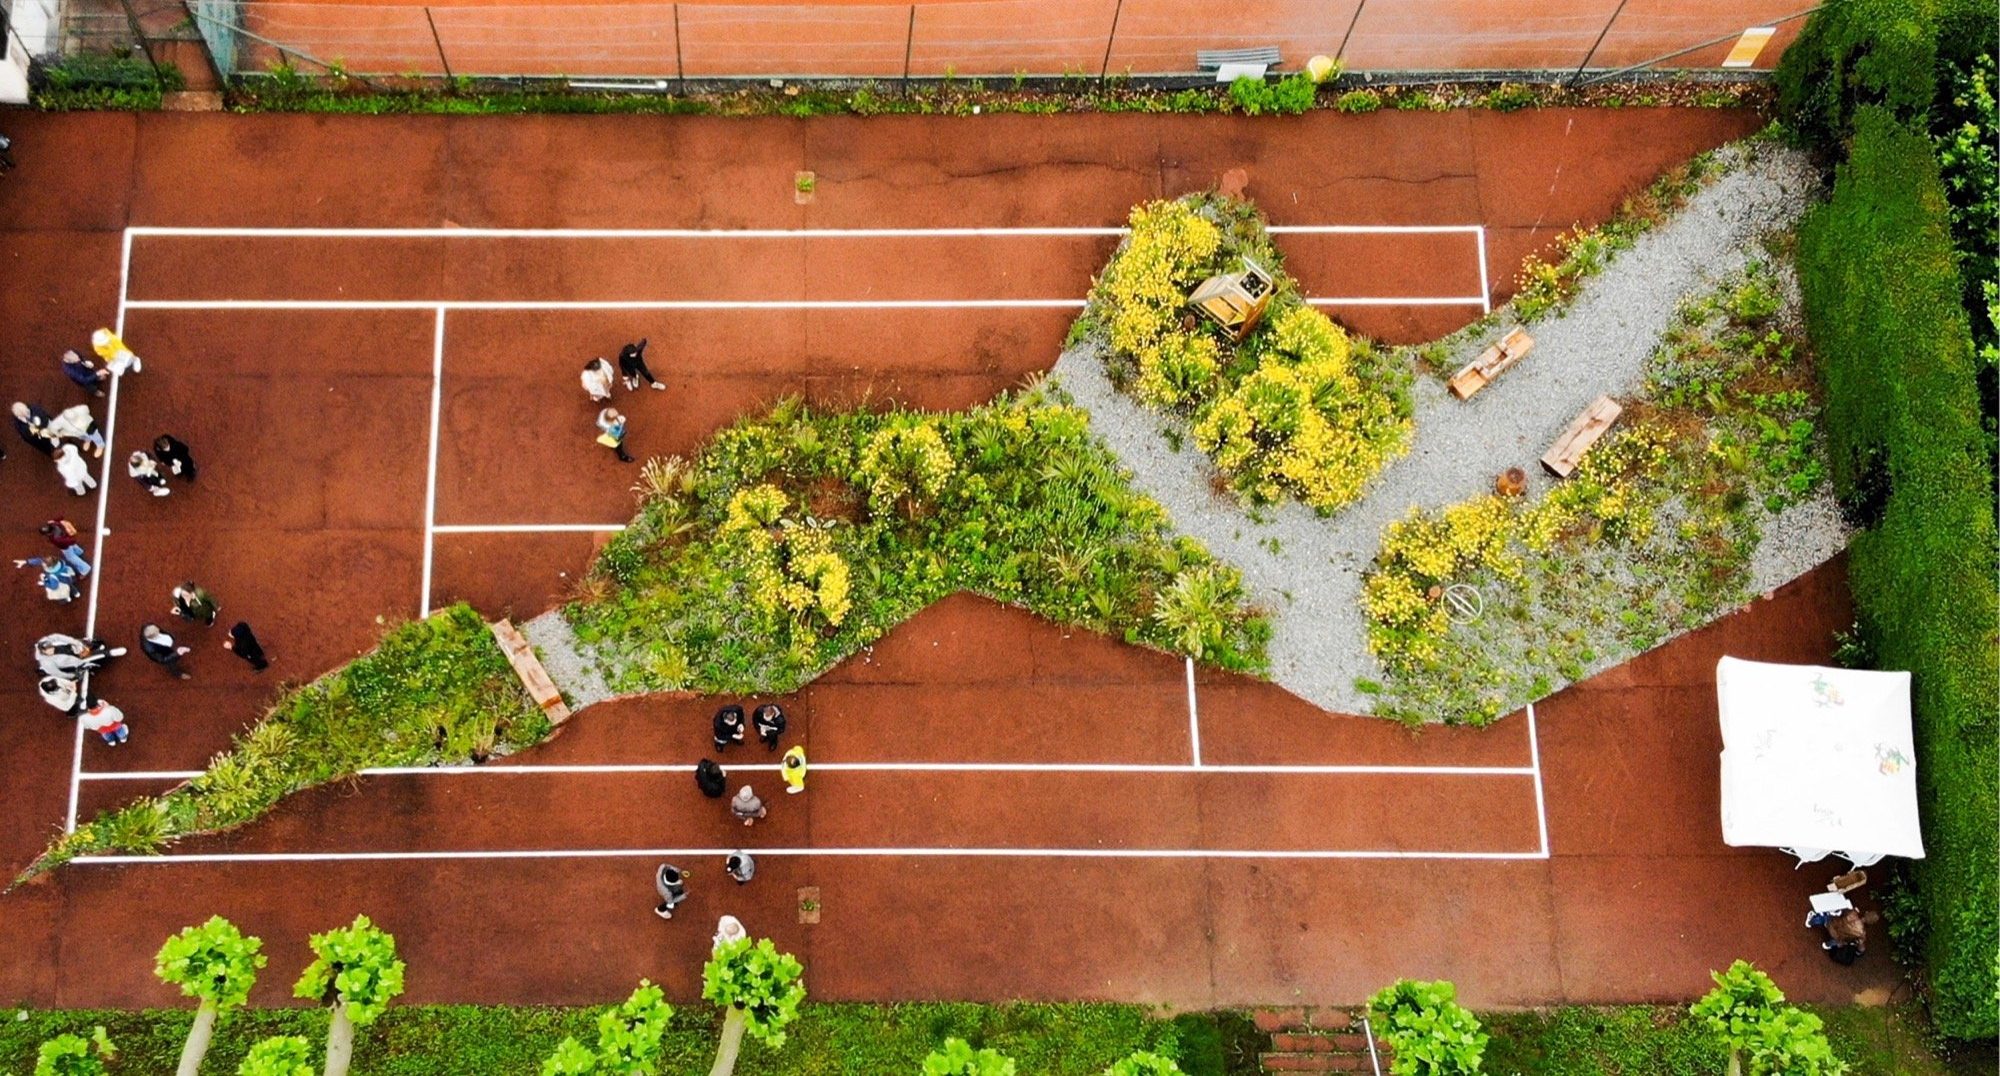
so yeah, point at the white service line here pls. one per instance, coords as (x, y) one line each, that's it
(1485, 288)
(933, 853)
(1395, 300)
(1194, 719)
(1535, 759)
(431, 473)
(1299, 769)
(97, 535)
(606, 304)
(753, 233)
(523, 528)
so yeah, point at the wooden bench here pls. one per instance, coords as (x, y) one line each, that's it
(1491, 363)
(1583, 432)
(529, 668)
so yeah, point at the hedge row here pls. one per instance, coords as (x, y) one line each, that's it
(1888, 53)
(1882, 302)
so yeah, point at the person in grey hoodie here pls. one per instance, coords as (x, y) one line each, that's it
(746, 806)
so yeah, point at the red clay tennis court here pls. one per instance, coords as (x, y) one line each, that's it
(385, 414)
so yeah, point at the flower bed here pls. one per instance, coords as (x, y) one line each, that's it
(1298, 410)
(794, 539)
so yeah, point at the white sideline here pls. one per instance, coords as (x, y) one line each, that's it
(932, 853)
(1535, 758)
(522, 528)
(1194, 719)
(754, 233)
(431, 470)
(224, 305)
(1298, 769)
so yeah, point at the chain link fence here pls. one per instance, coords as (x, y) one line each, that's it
(683, 42)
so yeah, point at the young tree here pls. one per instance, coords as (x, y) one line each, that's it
(628, 1039)
(74, 1055)
(215, 963)
(356, 975)
(1428, 1031)
(957, 1058)
(1746, 1011)
(759, 988)
(282, 1055)
(1144, 1063)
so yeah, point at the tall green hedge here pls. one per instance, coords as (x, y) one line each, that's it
(1882, 302)
(1887, 53)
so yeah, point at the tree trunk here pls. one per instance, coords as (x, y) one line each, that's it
(1735, 1063)
(339, 1041)
(197, 1040)
(732, 1041)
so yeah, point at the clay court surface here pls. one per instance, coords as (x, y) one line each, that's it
(387, 420)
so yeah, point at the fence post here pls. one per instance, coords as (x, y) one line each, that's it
(680, 65)
(439, 42)
(1601, 35)
(1105, 71)
(909, 46)
(1351, 24)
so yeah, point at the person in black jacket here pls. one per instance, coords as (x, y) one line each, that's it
(632, 363)
(710, 779)
(173, 456)
(243, 643)
(728, 726)
(770, 721)
(160, 649)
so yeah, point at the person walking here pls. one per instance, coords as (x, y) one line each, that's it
(597, 379)
(728, 726)
(793, 770)
(32, 423)
(632, 362)
(746, 806)
(727, 929)
(117, 357)
(76, 424)
(740, 866)
(58, 579)
(145, 470)
(243, 643)
(161, 650)
(69, 657)
(105, 720)
(60, 693)
(770, 722)
(86, 374)
(671, 884)
(173, 456)
(192, 602)
(710, 779)
(74, 470)
(61, 533)
(611, 433)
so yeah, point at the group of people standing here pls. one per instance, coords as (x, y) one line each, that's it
(67, 435)
(730, 729)
(598, 380)
(67, 663)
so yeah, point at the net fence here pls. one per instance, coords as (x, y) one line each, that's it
(982, 38)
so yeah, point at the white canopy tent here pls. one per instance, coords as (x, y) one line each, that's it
(1818, 760)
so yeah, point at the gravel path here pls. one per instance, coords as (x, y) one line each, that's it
(574, 674)
(1307, 570)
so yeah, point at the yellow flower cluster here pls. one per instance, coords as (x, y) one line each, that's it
(1177, 369)
(904, 460)
(1423, 550)
(754, 508)
(1302, 422)
(797, 572)
(1602, 496)
(1143, 291)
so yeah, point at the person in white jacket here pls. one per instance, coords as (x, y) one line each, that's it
(74, 471)
(597, 378)
(145, 470)
(105, 720)
(76, 424)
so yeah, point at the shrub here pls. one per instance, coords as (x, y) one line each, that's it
(958, 1058)
(1745, 1013)
(283, 1055)
(904, 460)
(1358, 101)
(1290, 95)
(1875, 53)
(1428, 1031)
(216, 963)
(1908, 457)
(355, 974)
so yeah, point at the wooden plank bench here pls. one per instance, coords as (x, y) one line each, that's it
(529, 668)
(1491, 363)
(1583, 432)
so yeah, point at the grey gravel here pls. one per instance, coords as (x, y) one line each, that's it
(1311, 583)
(574, 674)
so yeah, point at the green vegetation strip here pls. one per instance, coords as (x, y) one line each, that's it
(825, 1040)
(1910, 462)
(796, 538)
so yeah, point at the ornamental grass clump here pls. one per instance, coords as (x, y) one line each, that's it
(1297, 410)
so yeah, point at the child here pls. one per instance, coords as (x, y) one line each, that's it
(794, 770)
(671, 884)
(611, 433)
(117, 357)
(61, 533)
(105, 720)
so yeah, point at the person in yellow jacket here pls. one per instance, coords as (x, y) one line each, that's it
(113, 351)
(794, 769)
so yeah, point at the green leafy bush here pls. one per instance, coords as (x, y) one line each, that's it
(1358, 101)
(74, 1055)
(285, 1055)
(960, 1058)
(1746, 1014)
(1909, 460)
(1429, 1033)
(1876, 53)
(1297, 410)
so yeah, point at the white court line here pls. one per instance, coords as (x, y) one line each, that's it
(1300, 769)
(754, 233)
(1194, 719)
(1485, 289)
(522, 528)
(932, 853)
(1535, 757)
(431, 476)
(223, 305)
(97, 536)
